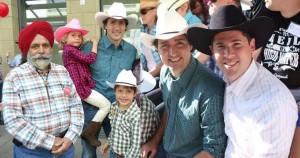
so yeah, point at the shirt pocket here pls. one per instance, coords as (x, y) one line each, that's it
(60, 97)
(101, 67)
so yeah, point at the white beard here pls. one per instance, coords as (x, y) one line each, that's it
(39, 61)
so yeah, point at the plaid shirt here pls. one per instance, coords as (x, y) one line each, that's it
(154, 53)
(125, 135)
(77, 64)
(35, 112)
(149, 118)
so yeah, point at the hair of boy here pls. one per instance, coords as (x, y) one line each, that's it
(126, 87)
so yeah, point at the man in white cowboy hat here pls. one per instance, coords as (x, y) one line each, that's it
(125, 137)
(114, 55)
(192, 124)
(260, 113)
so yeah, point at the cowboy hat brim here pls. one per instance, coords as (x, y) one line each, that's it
(101, 16)
(112, 85)
(148, 82)
(247, 3)
(201, 38)
(147, 39)
(61, 31)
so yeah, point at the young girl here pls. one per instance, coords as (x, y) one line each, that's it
(70, 38)
(125, 115)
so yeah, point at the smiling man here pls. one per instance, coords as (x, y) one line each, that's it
(260, 113)
(114, 55)
(192, 124)
(42, 109)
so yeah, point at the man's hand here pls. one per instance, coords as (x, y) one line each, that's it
(203, 154)
(7, 54)
(61, 146)
(104, 147)
(149, 149)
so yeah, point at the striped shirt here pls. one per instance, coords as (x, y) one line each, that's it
(260, 115)
(35, 112)
(125, 136)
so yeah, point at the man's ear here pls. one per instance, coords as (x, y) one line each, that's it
(252, 44)
(211, 49)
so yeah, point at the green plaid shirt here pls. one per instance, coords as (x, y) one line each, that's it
(125, 135)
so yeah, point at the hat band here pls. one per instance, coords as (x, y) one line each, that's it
(126, 83)
(169, 32)
(172, 5)
(118, 16)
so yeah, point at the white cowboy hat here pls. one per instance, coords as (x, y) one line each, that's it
(168, 26)
(125, 78)
(117, 11)
(173, 4)
(147, 82)
(247, 3)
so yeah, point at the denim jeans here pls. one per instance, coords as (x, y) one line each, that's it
(89, 151)
(113, 155)
(161, 153)
(23, 152)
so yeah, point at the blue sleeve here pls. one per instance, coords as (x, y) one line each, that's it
(87, 47)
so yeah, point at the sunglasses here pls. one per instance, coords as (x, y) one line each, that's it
(144, 11)
(213, 1)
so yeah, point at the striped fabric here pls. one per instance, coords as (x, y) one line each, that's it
(260, 115)
(34, 112)
(125, 135)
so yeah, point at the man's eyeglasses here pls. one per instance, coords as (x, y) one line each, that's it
(213, 1)
(144, 11)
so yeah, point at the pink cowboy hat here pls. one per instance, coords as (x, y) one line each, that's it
(73, 25)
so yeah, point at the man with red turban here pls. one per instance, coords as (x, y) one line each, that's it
(41, 107)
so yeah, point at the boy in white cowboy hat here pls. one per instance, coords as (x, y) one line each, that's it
(116, 55)
(70, 38)
(192, 124)
(260, 113)
(125, 136)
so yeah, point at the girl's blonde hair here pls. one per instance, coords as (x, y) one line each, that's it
(63, 41)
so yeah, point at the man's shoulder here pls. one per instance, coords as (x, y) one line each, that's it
(58, 68)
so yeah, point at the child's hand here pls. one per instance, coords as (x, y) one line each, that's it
(104, 147)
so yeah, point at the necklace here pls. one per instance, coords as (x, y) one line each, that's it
(42, 75)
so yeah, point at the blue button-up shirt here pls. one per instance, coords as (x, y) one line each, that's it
(109, 63)
(191, 18)
(194, 105)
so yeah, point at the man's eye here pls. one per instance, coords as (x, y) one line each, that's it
(34, 47)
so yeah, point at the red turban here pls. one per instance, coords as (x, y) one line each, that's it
(29, 33)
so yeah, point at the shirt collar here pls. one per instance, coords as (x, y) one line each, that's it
(240, 86)
(107, 43)
(182, 80)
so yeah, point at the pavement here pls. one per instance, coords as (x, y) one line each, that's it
(6, 145)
